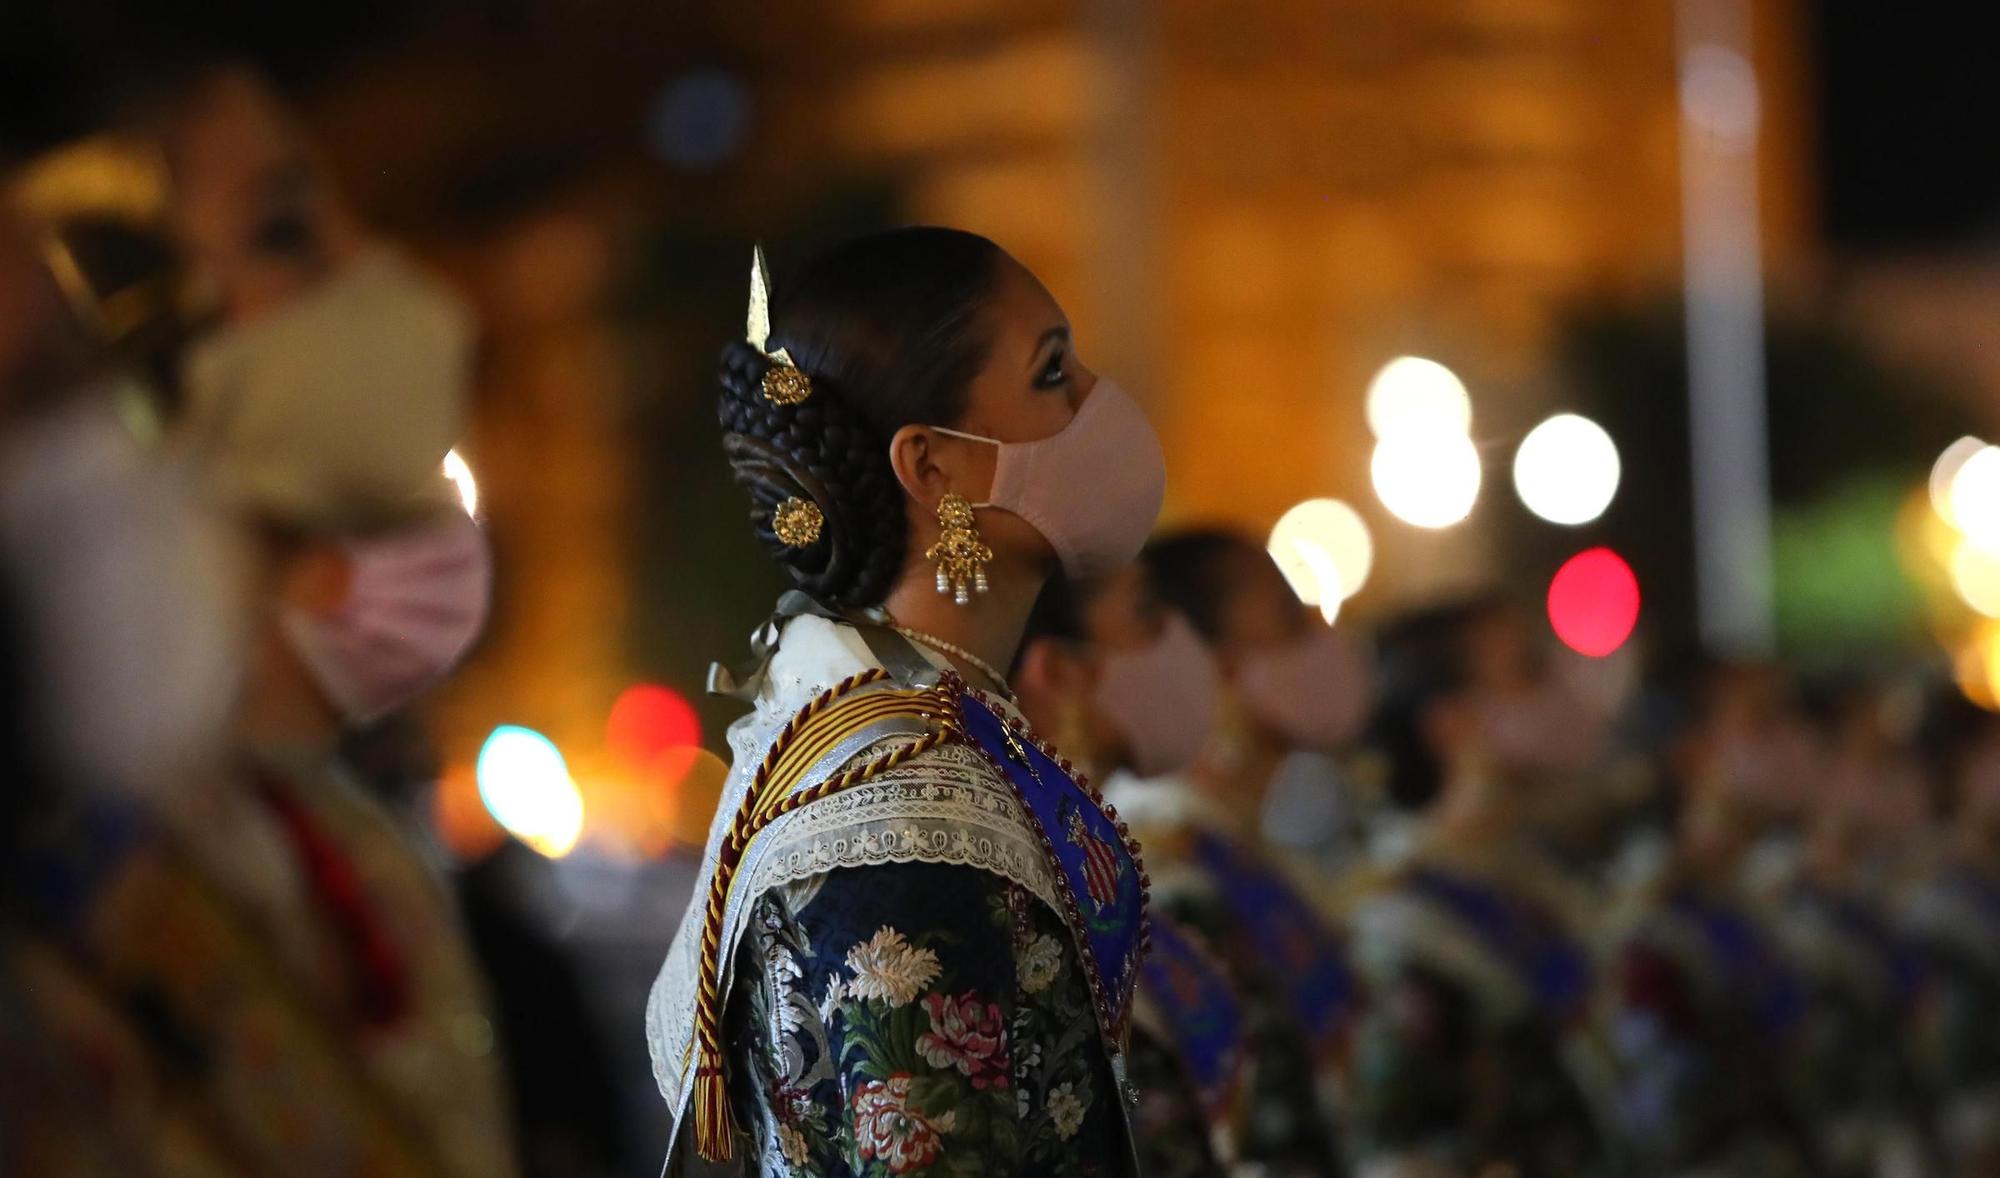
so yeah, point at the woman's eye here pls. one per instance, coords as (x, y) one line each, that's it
(1053, 375)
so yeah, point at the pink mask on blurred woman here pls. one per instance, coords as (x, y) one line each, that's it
(416, 599)
(1092, 489)
(1542, 729)
(1314, 692)
(1162, 698)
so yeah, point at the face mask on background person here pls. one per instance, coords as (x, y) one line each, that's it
(1162, 698)
(1541, 729)
(1093, 489)
(1314, 691)
(416, 600)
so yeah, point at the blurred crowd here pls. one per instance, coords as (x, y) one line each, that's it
(1493, 907)
(1482, 905)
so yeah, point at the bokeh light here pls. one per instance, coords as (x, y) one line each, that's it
(1317, 536)
(1430, 480)
(1594, 602)
(648, 720)
(1976, 666)
(1566, 470)
(700, 119)
(1975, 577)
(1414, 395)
(1945, 470)
(527, 788)
(460, 473)
(1973, 498)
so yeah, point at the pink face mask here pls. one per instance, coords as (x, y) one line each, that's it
(1543, 729)
(416, 599)
(1092, 489)
(1162, 698)
(1315, 692)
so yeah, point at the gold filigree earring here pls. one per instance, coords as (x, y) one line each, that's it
(961, 556)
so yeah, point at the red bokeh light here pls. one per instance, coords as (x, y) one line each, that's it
(1594, 602)
(649, 720)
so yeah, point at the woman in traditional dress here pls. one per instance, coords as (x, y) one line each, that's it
(914, 942)
(264, 976)
(1702, 1009)
(1287, 685)
(1953, 916)
(1476, 1048)
(1126, 685)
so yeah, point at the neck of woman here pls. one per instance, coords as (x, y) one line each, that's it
(1238, 779)
(990, 625)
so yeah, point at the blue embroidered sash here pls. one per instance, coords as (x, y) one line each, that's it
(1744, 959)
(1096, 866)
(1309, 962)
(1200, 1007)
(1519, 933)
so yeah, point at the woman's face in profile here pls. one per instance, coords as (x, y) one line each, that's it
(1030, 388)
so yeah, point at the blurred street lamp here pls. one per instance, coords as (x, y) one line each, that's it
(1566, 470)
(1322, 545)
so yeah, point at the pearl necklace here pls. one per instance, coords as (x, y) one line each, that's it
(954, 650)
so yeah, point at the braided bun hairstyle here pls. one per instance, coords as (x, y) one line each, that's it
(889, 330)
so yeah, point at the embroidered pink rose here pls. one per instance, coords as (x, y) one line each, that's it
(968, 1034)
(886, 1127)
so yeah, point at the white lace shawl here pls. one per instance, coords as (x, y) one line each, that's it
(946, 806)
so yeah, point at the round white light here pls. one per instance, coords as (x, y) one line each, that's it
(1975, 574)
(1566, 469)
(1322, 530)
(1974, 498)
(527, 788)
(1412, 394)
(1429, 480)
(460, 474)
(1945, 471)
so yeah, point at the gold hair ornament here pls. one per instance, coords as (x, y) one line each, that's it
(798, 522)
(783, 383)
(961, 556)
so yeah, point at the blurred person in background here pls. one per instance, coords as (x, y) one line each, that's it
(1704, 1011)
(1953, 917)
(1865, 829)
(1127, 686)
(1473, 1051)
(1287, 683)
(118, 657)
(270, 979)
(925, 957)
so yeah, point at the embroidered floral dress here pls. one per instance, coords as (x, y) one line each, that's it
(1703, 1014)
(901, 991)
(917, 1019)
(1295, 993)
(1468, 1053)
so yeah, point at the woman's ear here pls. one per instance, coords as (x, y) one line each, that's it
(913, 456)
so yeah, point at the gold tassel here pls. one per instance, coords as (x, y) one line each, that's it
(714, 1121)
(769, 799)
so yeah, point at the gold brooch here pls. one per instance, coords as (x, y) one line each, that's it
(798, 522)
(786, 385)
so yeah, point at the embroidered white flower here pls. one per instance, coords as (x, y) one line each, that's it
(836, 993)
(888, 967)
(1039, 963)
(1066, 1110)
(792, 1144)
